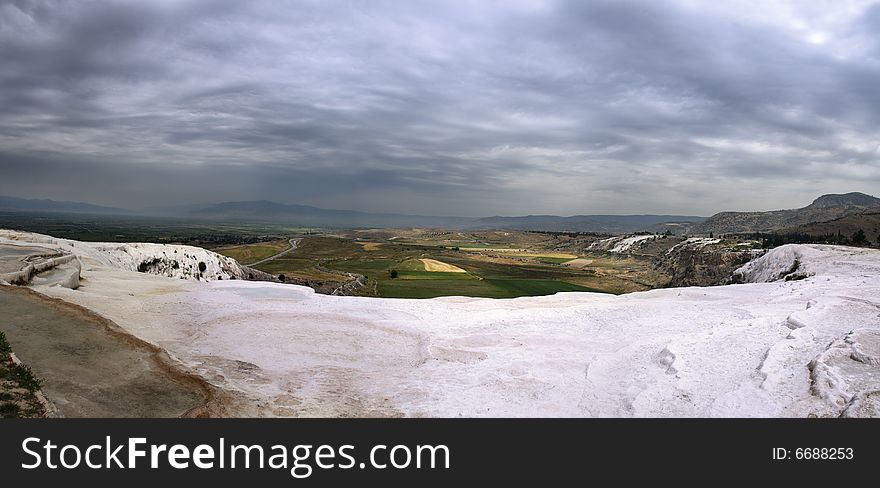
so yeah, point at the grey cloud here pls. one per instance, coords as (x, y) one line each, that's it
(432, 107)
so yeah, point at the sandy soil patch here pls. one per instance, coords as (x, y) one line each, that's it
(579, 263)
(370, 246)
(433, 265)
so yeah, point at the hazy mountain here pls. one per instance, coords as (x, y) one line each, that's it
(12, 203)
(823, 209)
(614, 224)
(853, 199)
(267, 211)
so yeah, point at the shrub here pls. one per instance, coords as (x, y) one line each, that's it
(9, 410)
(202, 266)
(4, 346)
(25, 378)
(859, 238)
(393, 273)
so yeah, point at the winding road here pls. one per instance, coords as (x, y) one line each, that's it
(293, 244)
(356, 280)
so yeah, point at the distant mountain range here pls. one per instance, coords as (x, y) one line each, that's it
(824, 209)
(612, 224)
(264, 211)
(305, 215)
(12, 203)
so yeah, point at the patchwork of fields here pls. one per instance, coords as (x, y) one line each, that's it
(504, 265)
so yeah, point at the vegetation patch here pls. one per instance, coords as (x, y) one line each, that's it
(554, 260)
(474, 288)
(18, 386)
(251, 253)
(436, 275)
(5, 348)
(25, 378)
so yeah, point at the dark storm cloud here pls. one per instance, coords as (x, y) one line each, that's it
(440, 107)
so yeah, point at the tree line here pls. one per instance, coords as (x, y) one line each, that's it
(857, 238)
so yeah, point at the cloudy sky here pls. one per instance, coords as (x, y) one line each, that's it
(460, 108)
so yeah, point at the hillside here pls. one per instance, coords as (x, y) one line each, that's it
(610, 224)
(823, 209)
(869, 222)
(12, 203)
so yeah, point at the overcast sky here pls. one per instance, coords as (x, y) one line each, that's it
(458, 108)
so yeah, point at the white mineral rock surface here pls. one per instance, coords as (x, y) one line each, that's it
(769, 347)
(172, 261)
(620, 244)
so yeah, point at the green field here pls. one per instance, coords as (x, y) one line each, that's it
(429, 275)
(483, 279)
(552, 260)
(364, 266)
(398, 288)
(251, 253)
(318, 257)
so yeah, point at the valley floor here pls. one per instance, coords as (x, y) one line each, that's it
(805, 347)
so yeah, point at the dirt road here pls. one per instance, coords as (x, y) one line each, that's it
(293, 244)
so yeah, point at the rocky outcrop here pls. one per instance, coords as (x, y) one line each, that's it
(622, 244)
(785, 263)
(823, 209)
(702, 262)
(169, 260)
(349, 285)
(58, 268)
(183, 262)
